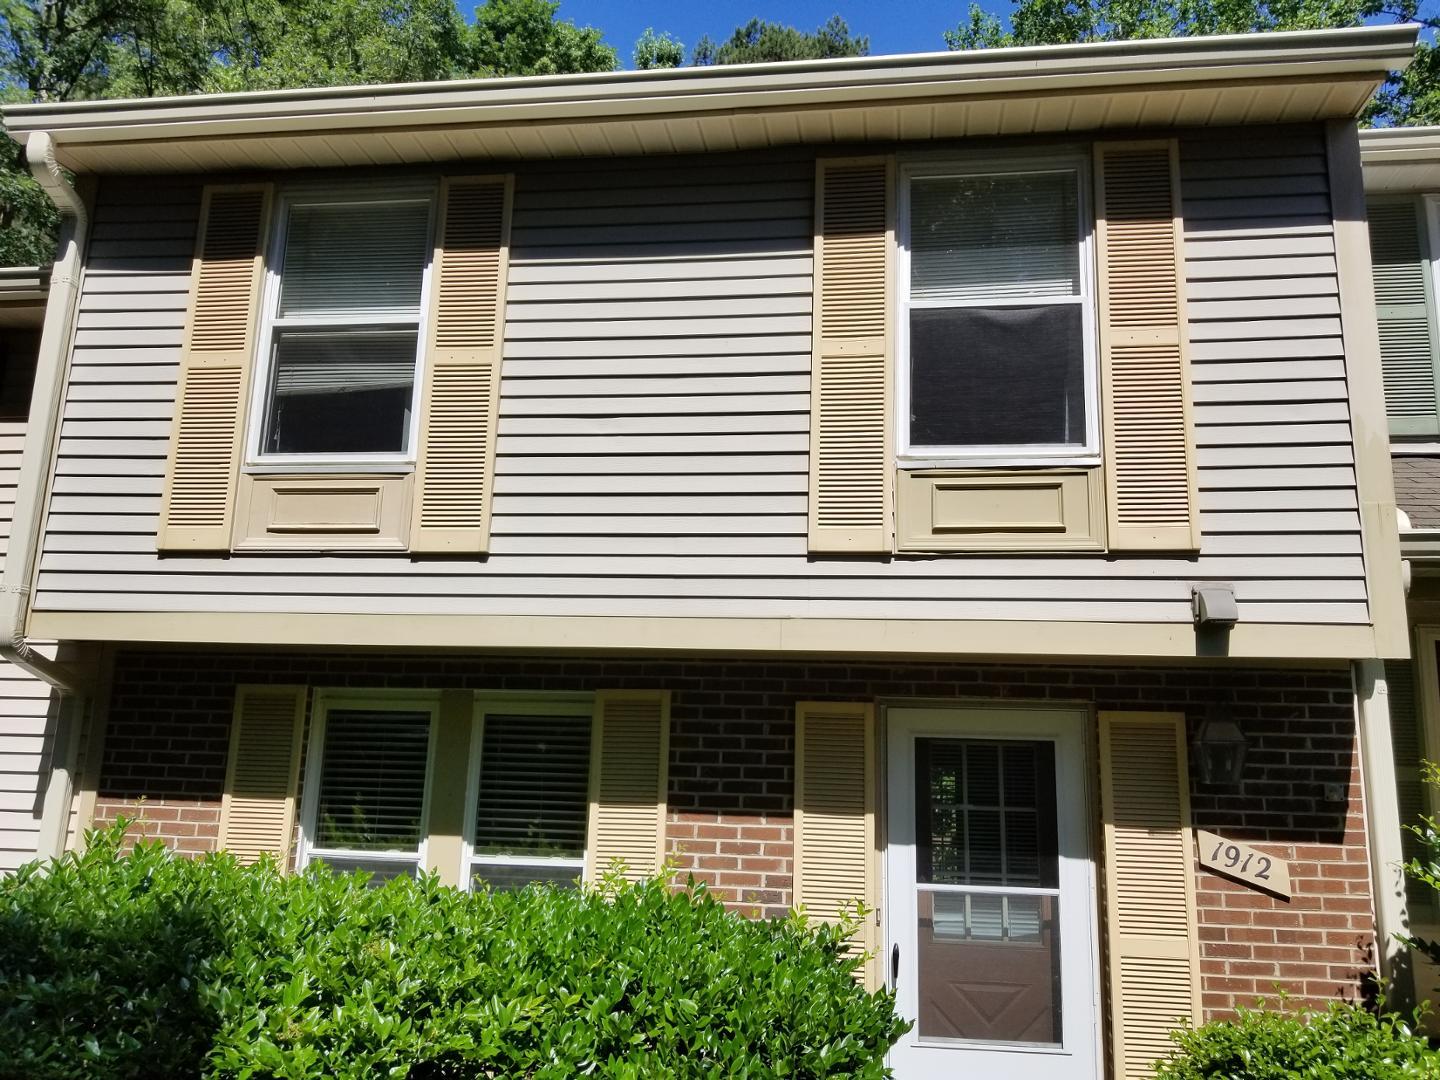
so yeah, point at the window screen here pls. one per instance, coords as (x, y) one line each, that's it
(344, 336)
(370, 806)
(996, 313)
(533, 800)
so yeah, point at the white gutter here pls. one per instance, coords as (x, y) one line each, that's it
(1312, 56)
(43, 421)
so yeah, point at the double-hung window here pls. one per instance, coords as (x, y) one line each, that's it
(529, 791)
(368, 783)
(997, 323)
(340, 344)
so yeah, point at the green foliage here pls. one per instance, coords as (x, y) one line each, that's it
(1345, 1042)
(654, 50)
(1409, 97)
(523, 37)
(1423, 869)
(148, 965)
(759, 42)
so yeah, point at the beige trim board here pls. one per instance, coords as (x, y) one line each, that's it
(1368, 425)
(881, 637)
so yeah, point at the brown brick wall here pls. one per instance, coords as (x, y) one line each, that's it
(732, 759)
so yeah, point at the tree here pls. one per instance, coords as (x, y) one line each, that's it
(523, 37)
(654, 50)
(1409, 97)
(761, 42)
(60, 50)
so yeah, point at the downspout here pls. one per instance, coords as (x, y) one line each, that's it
(20, 558)
(43, 421)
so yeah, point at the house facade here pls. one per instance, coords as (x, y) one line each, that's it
(957, 484)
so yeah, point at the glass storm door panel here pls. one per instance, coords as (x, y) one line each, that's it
(991, 931)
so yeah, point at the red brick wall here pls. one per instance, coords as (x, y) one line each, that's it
(732, 759)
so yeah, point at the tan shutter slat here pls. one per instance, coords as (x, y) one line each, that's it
(257, 811)
(197, 505)
(835, 814)
(1404, 311)
(1153, 955)
(850, 469)
(459, 408)
(1144, 353)
(629, 770)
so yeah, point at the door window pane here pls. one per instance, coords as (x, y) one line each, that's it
(989, 957)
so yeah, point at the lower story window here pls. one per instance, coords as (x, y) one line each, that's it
(530, 790)
(366, 785)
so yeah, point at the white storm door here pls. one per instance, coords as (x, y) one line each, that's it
(991, 938)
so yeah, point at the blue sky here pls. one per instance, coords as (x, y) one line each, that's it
(894, 26)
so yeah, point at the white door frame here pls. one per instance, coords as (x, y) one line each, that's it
(1079, 1056)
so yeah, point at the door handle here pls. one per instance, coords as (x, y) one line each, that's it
(895, 966)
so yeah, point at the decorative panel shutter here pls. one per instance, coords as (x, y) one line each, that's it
(460, 405)
(835, 816)
(1153, 955)
(257, 810)
(1405, 311)
(629, 771)
(1144, 354)
(850, 468)
(197, 506)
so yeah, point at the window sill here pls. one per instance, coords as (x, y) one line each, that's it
(1036, 510)
(323, 511)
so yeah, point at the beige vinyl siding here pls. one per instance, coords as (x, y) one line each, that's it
(24, 703)
(654, 423)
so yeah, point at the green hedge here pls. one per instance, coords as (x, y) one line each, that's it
(148, 965)
(1344, 1042)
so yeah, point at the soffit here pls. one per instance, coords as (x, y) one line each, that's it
(1125, 86)
(1401, 159)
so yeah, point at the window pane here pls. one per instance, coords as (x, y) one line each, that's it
(985, 813)
(991, 237)
(534, 786)
(1002, 376)
(380, 870)
(372, 780)
(355, 258)
(345, 392)
(509, 877)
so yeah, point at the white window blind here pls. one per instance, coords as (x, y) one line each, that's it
(997, 318)
(345, 259)
(994, 237)
(369, 773)
(532, 799)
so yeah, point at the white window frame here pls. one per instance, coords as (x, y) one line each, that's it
(256, 460)
(523, 704)
(909, 457)
(380, 701)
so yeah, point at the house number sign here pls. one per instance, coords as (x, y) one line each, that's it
(1245, 864)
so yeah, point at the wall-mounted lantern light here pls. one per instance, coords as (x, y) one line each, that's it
(1220, 748)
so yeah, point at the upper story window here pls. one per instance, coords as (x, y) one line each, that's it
(997, 353)
(1403, 231)
(340, 344)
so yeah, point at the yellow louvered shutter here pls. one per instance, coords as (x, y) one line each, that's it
(629, 770)
(1152, 949)
(197, 506)
(257, 811)
(835, 815)
(1144, 354)
(850, 469)
(460, 405)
